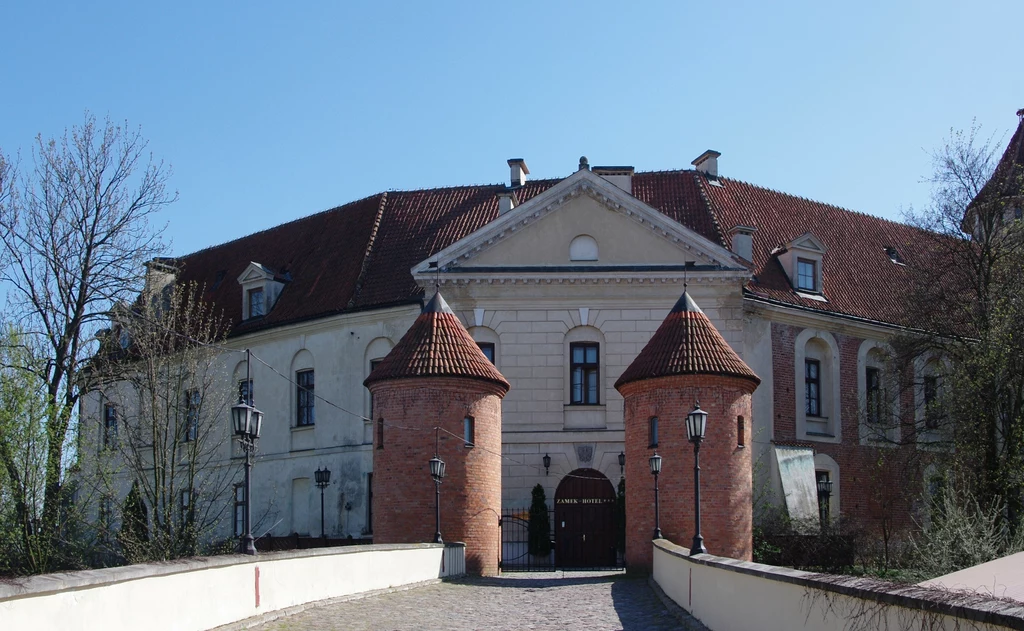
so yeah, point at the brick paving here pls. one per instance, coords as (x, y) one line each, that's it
(532, 601)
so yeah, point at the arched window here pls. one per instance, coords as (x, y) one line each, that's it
(817, 387)
(652, 431)
(878, 394)
(583, 248)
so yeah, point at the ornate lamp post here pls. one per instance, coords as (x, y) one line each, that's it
(655, 462)
(323, 478)
(547, 463)
(437, 472)
(247, 422)
(696, 425)
(622, 464)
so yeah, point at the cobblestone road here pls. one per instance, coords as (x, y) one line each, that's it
(550, 601)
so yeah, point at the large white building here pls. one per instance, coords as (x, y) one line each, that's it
(562, 282)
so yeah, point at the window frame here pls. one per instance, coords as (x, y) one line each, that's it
(801, 263)
(110, 423)
(469, 431)
(585, 369)
(485, 347)
(193, 401)
(305, 398)
(816, 382)
(873, 398)
(930, 394)
(262, 302)
(652, 432)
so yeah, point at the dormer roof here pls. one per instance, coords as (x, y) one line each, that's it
(686, 343)
(437, 345)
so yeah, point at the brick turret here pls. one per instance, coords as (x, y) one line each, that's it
(687, 359)
(437, 377)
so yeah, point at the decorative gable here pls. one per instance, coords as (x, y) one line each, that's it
(261, 287)
(801, 260)
(584, 225)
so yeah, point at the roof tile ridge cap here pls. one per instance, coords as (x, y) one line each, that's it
(278, 226)
(821, 203)
(368, 252)
(715, 219)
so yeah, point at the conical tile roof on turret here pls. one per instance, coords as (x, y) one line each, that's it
(437, 345)
(686, 343)
(1008, 178)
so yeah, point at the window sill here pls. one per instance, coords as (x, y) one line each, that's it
(584, 406)
(803, 293)
(300, 428)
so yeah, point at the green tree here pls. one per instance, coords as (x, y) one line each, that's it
(134, 534)
(539, 524)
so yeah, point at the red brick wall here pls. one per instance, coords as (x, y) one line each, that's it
(403, 494)
(726, 486)
(878, 485)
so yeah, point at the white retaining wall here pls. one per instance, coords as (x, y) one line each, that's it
(730, 595)
(203, 593)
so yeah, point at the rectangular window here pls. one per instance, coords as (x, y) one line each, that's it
(305, 414)
(488, 350)
(806, 275)
(931, 393)
(812, 385)
(239, 510)
(109, 426)
(741, 432)
(192, 400)
(652, 431)
(257, 306)
(106, 518)
(245, 391)
(873, 387)
(369, 502)
(469, 431)
(584, 368)
(824, 495)
(373, 366)
(186, 506)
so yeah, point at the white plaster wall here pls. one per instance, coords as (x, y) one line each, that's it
(202, 594)
(725, 599)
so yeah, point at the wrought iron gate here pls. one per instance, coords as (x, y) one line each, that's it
(515, 543)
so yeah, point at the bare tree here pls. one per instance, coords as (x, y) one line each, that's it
(74, 234)
(166, 378)
(968, 297)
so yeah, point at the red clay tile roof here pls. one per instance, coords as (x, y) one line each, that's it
(686, 343)
(358, 256)
(436, 345)
(858, 277)
(1008, 178)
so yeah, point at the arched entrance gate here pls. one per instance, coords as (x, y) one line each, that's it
(582, 527)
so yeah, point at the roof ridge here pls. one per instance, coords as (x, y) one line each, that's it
(368, 252)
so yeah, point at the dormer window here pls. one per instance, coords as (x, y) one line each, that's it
(806, 275)
(261, 288)
(257, 304)
(801, 260)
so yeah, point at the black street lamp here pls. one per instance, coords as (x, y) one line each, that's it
(824, 493)
(696, 425)
(547, 463)
(437, 472)
(655, 462)
(622, 464)
(247, 421)
(323, 478)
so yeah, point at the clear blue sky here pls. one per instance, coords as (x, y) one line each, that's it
(273, 111)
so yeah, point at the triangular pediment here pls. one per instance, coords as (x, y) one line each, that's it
(583, 223)
(808, 242)
(254, 272)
